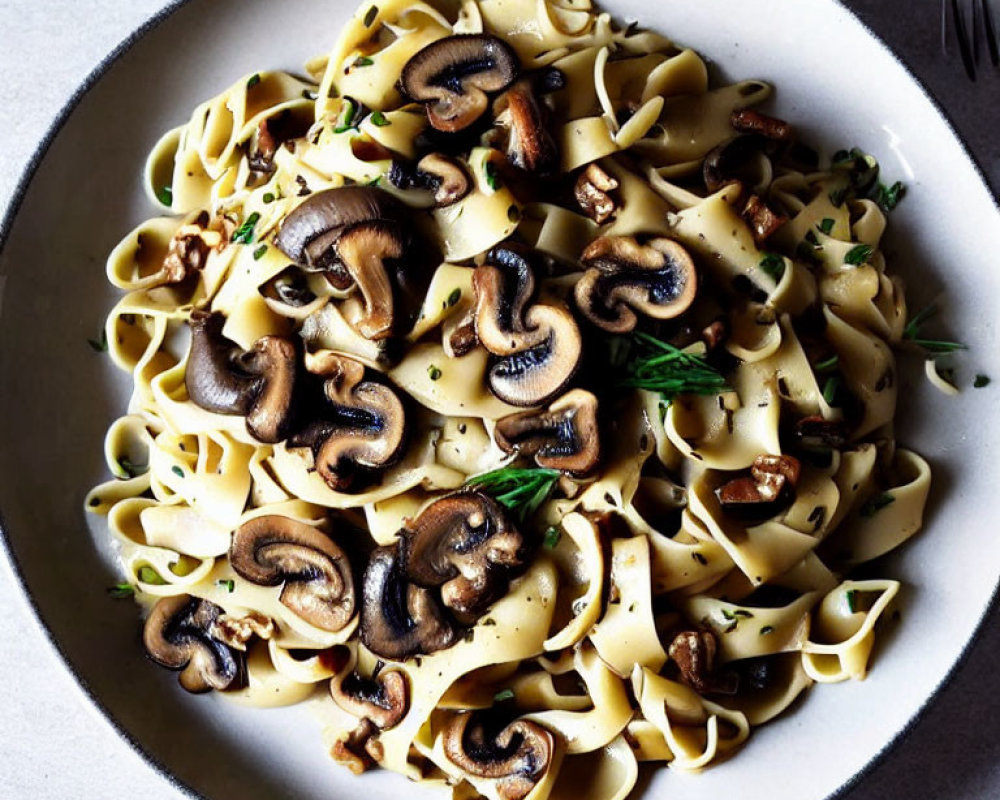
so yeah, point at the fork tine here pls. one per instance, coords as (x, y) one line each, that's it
(991, 33)
(962, 34)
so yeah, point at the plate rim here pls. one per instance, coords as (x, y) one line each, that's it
(8, 220)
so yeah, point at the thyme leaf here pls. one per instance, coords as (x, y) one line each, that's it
(660, 367)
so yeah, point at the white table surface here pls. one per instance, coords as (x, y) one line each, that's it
(56, 745)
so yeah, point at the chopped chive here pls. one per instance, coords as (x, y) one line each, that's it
(858, 255)
(121, 591)
(490, 170)
(378, 119)
(826, 225)
(165, 194)
(852, 600)
(151, 576)
(773, 266)
(100, 344)
(370, 15)
(552, 537)
(933, 346)
(177, 471)
(888, 197)
(258, 254)
(827, 364)
(503, 695)
(831, 389)
(347, 116)
(876, 504)
(244, 233)
(521, 491)
(254, 80)
(433, 372)
(228, 584)
(374, 181)
(362, 61)
(454, 297)
(657, 366)
(981, 381)
(269, 198)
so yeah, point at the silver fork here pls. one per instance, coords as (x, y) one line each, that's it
(972, 28)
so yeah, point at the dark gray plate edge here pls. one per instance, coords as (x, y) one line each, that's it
(7, 222)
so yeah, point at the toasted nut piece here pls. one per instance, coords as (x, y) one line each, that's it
(354, 752)
(592, 192)
(237, 631)
(745, 491)
(770, 487)
(765, 466)
(762, 220)
(694, 653)
(746, 120)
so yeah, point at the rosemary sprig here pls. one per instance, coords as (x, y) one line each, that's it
(934, 347)
(520, 491)
(660, 367)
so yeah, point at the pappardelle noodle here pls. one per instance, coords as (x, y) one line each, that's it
(515, 393)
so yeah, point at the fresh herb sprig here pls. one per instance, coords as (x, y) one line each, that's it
(660, 367)
(520, 491)
(934, 347)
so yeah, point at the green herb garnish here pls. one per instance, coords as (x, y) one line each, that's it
(503, 695)
(378, 119)
(100, 344)
(370, 15)
(347, 116)
(433, 372)
(244, 233)
(934, 347)
(831, 389)
(177, 471)
(826, 364)
(773, 266)
(552, 537)
(121, 591)
(269, 198)
(227, 583)
(126, 469)
(165, 194)
(876, 504)
(858, 255)
(660, 367)
(151, 576)
(888, 197)
(981, 381)
(826, 225)
(521, 491)
(490, 170)
(852, 600)
(254, 80)
(258, 254)
(362, 61)
(454, 297)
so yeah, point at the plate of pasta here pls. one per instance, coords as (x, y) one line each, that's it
(527, 399)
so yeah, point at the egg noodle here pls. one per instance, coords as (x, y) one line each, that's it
(512, 392)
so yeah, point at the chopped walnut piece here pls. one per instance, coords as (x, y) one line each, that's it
(592, 191)
(694, 653)
(762, 220)
(358, 752)
(771, 485)
(237, 631)
(765, 467)
(746, 120)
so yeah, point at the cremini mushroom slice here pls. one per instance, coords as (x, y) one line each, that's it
(656, 279)
(465, 544)
(363, 428)
(355, 235)
(530, 146)
(441, 174)
(762, 220)
(383, 698)
(564, 436)
(539, 346)
(273, 550)
(452, 77)
(259, 384)
(288, 293)
(592, 191)
(516, 755)
(769, 489)
(399, 619)
(177, 635)
(694, 652)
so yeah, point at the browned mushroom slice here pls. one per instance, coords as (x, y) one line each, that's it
(258, 384)
(763, 222)
(452, 76)
(272, 550)
(516, 756)
(564, 436)
(694, 652)
(593, 193)
(732, 162)
(770, 488)
(529, 144)
(465, 544)
(364, 248)
(539, 346)
(178, 635)
(288, 288)
(399, 619)
(748, 120)
(383, 699)
(657, 279)
(443, 175)
(364, 430)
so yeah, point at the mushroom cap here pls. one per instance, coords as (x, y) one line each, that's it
(446, 176)
(565, 436)
(515, 755)
(540, 346)
(657, 279)
(453, 75)
(399, 619)
(178, 635)
(383, 699)
(272, 549)
(259, 384)
(465, 543)
(530, 146)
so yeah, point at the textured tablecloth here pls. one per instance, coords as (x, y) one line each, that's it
(56, 745)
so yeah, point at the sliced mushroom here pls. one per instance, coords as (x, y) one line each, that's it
(363, 430)
(399, 619)
(763, 222)
(383, 699)
(564, 436)
(530, 146)
(747, 120)
(355, 235)
(516, 755)
(770, 488)
(657, 279)
(443, 175)
(729, 161)
(453, 75)
(593, 193)
(465, 544)
(288, 288)
(539, 346)
(272, 550)
(177, 635)
(694, 652)
(259, 384)
(359, 752)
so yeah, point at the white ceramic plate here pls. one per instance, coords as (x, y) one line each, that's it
(841, 88)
